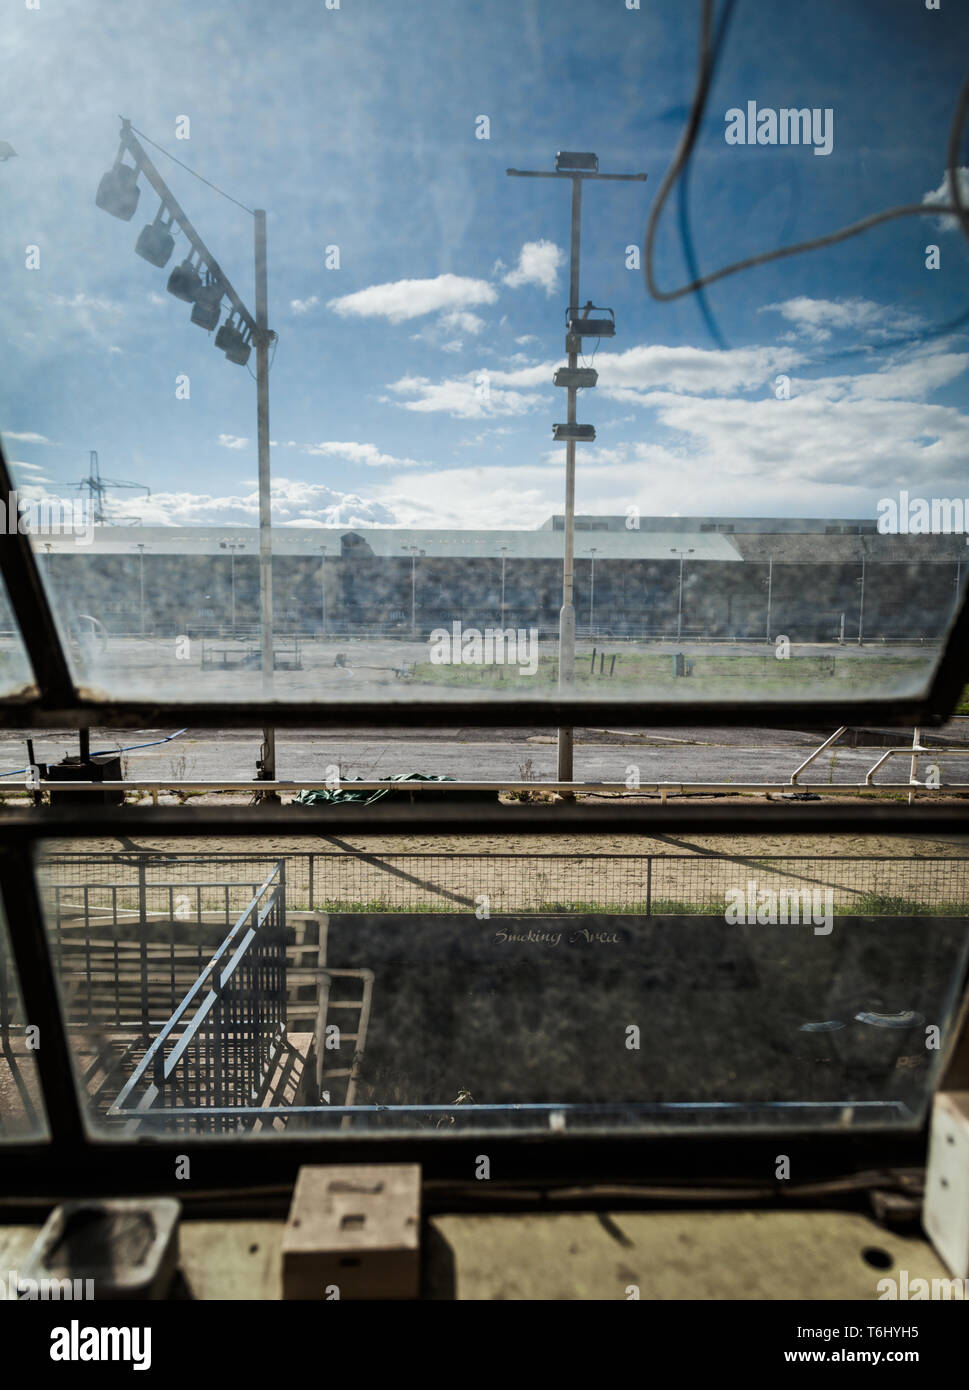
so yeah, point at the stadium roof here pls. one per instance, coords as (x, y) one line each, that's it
(388, 542)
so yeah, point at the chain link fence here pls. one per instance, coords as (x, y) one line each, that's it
(373, 881)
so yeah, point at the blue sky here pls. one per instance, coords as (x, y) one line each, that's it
(413, 384)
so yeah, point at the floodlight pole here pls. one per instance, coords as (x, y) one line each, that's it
(679, 607)
(261, 336)
(567, 611)
(323, 591)
(267, 770)
(140, 547)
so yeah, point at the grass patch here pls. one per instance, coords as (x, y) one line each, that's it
(711, 673)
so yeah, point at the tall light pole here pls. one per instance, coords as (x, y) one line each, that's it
(118, 193)
(237, 544)
(861, 605)
(679, 610)
(770, 591)
(958, 583)
(323, 591)
(592, 591)
(578, 167)
(262, 339)
(140, 547)
(414, 551)
(501, 611)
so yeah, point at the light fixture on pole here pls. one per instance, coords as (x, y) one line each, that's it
(200, 281)
(185, 280)
(576, 166)
(679, 610)
(155, 241)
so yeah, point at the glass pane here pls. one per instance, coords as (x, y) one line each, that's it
(575, 984)
(21, 1105)
(16, 676)
(773, 505)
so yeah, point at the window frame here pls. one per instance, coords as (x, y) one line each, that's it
(74, 1161)
(58, 699)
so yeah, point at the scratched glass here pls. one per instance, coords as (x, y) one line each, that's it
(323, 454)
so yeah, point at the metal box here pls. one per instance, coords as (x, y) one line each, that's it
(579, 377)
(569, 160)
(585, 433)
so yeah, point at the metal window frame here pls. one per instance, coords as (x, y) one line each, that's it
(59, 701)
(525, 1167)
(724, 1164)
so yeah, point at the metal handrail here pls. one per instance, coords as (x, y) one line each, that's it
(215, 976)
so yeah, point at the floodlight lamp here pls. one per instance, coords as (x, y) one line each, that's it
(118, 191)
(233, 342)
(185, 281)
(155, 241)
(208, 305)
(583, 433)
(577, 377)
(569, 161)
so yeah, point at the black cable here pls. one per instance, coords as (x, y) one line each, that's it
(143, 136)
(707, 60)
(686, 235)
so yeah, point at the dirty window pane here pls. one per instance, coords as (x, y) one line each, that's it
(21, 1107)
(770, 488)
(737, 982)
(16, 676)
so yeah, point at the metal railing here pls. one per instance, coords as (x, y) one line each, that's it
(130, 935)
(219, 1047)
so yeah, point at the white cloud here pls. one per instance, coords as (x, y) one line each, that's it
(520, 496)
(294, 503)
(914, 378)
(27, 437)
(460, 321)
(477, 394)
(232, 441)
(943, 194)
(367, 454)
(87, 304)
(38, 475)
(816, 319)
(303, 306)
(399, 300)
(538, 264)
(627, 375)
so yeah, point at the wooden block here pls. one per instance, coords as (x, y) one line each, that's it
(353, 1232)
